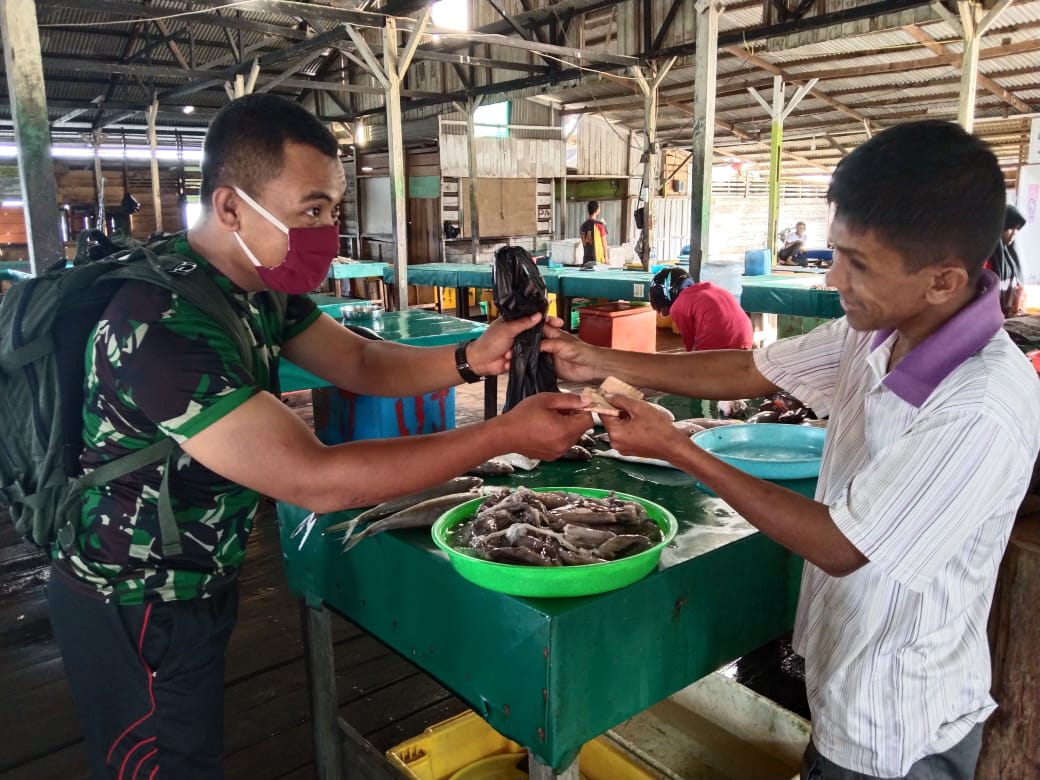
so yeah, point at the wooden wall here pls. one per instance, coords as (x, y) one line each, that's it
(423, 212)
(503, 158)
(77, 201)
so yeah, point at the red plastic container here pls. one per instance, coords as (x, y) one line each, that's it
(619, 325)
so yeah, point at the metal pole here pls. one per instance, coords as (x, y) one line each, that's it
(28, 100)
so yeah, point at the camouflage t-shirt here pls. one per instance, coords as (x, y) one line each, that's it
(156, 366)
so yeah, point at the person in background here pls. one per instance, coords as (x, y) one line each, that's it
(143, 631)
(1005, 264)
(593, 238)
(708, 316)
(793, 250)
(932, 436)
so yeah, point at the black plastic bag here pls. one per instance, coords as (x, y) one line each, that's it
(519, 291)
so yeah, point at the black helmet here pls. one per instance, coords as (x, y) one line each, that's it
(666, 286)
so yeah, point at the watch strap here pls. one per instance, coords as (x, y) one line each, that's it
(462, 364)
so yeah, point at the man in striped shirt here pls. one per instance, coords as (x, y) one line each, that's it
(934, 429)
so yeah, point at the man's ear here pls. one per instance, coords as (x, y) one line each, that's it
(948, 281)
(225, 205)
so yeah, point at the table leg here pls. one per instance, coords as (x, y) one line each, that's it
(490, 397)
(563, 303)
(462, 302)
(316, 626)
(539, 771)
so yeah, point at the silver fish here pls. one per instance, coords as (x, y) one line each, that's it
(455, 485)
(421, 514)
(496, 467)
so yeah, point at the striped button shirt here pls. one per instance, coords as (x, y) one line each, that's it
(923, 470)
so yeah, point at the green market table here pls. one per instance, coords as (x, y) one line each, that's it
(550, 674)
(359, 269)
(416, 327)
(795, 295)
(463, 277)
(768, 294)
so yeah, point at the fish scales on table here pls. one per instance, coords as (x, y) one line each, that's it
(555, 528)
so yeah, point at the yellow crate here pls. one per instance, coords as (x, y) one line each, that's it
(492, 310)
(448, 297)
(446, 749)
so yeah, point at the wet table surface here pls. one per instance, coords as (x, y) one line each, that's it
(553, 673)
(417, 327)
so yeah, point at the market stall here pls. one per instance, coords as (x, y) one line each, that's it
(550, 674)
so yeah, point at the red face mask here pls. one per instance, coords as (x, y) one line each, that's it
(307, 258)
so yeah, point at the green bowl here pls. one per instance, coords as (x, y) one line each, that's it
(555, 581)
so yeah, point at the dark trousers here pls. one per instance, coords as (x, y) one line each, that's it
(794, 253)
(148, 681)
(957, 763)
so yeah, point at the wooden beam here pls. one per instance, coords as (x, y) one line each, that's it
(986, 82)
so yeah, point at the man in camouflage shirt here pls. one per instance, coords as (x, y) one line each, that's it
(143, 633)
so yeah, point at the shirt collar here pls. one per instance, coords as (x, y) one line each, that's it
(960, 337)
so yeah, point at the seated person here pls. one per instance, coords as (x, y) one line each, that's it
(793, 250)
(708, 316)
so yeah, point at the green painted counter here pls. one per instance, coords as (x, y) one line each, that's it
(554, 673)
(779, 294)
(359, 269)
(417, 327)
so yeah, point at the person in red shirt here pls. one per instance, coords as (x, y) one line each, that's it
(708, 316)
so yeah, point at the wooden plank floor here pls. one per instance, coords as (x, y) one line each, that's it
(267, 723)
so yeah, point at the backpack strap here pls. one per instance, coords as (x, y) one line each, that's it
(164, 448)
(182, 276)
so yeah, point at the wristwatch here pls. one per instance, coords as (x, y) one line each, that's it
(462, 364)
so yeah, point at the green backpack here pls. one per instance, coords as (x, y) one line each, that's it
(44, 326)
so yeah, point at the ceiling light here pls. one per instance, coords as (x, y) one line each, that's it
(188, 109)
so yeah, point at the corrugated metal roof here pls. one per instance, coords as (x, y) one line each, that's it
(884, 75)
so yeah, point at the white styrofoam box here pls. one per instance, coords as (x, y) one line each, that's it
(617, 256)
(566, 251)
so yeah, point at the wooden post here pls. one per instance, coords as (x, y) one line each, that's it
(316, 625)
(474, 203)
(648, 186)
(99, 181)
(973, 27)
(153, 112)
(778, 112)
(703, 134)
(25, 88)
(391, 75)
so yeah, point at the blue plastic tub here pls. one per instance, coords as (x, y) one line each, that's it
(773, 451)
